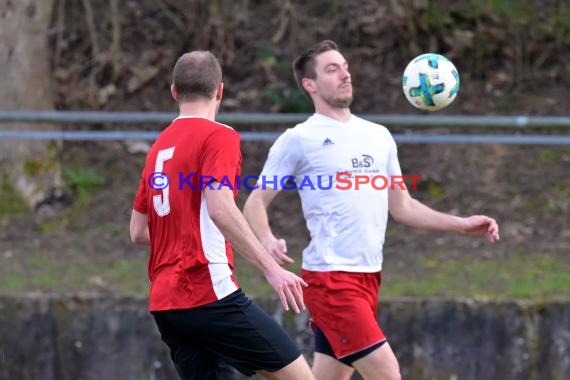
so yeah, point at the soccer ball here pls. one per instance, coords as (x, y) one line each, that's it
(430, 82)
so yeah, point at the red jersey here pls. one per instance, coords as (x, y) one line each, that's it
(191, 263)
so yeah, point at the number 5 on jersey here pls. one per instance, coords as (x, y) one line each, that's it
(161, 202)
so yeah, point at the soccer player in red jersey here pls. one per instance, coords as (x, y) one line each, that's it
(185, 210)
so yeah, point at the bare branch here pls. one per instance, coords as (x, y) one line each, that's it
(91, 27)
(177, 21)
(60, 26)
(115, 39)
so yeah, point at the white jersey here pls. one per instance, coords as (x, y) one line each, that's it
(347, 226)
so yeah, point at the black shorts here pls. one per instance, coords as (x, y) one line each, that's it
(323, 346)
(232, 330)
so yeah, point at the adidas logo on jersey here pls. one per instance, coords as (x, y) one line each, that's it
(327, 142)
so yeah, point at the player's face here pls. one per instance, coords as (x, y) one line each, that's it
(333, 82)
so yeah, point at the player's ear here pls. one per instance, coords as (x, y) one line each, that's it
(173, 92)
(219, 91)
(308, 85)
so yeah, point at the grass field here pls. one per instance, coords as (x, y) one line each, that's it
(517, 277)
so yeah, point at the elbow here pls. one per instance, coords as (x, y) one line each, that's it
(139, 236)
(220, 206)
(144, 240)
(401, 206)
(133, 234)
(216, 212)
(136, 238)
(396, 216)
(400, 213)
(138, 228)
(215, 215)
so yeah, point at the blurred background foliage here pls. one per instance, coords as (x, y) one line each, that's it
(513, 58)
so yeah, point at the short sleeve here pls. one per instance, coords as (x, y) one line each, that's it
(283, 160)
(393, 165)
(140, 203)
(221, 159)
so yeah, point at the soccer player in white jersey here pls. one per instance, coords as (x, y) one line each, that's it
(343, 261)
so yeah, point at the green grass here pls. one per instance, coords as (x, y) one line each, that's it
(74, 274)
(549, 156)
(521, 276)
(10, 201)
(518, 277)
(540, 277)
(83, 182)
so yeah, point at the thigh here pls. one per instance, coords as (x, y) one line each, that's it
(344, 307)
(251, 340)
(235, 330)
(379, 364)
(328, 368)
(192, 361)
(297, 370)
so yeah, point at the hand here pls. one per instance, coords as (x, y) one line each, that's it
(278, 250)
(480, 225)
(288, 286)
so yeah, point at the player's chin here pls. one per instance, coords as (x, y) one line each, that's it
(344, 101)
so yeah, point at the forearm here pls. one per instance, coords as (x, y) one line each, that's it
(237, 231)
(416, 214)
(255, 213)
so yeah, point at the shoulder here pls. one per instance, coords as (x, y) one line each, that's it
(290, 135)
(217, 136)
(304, 129)
(216, 126)
(312, 122)
(374, 128)
(219, 130)
(368, 124)
(204, 124)
(221, 126)
(287, 147)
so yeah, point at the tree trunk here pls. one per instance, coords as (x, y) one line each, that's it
(31, 167)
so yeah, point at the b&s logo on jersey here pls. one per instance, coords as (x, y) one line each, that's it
(365, 161)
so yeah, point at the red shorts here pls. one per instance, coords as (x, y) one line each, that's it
(344, 306)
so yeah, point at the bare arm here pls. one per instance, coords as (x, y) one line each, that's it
(227, 217)
(409, 211)
(139, 228)
(255, 212)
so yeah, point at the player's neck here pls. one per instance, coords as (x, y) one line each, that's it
(206, 110)
(341, 114)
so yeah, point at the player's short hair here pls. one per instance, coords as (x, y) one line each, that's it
(196, 75)
(304, 65)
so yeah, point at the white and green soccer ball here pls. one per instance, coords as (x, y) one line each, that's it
(430, 82)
